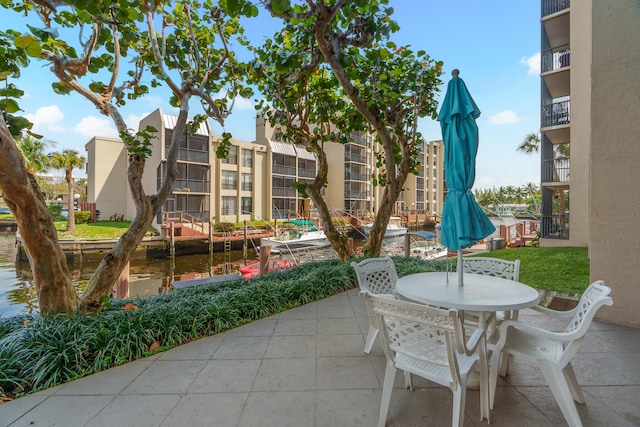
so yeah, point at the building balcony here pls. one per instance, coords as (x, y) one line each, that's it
(284, 170)
(193, 156)
(555, 58)
(307, 173)
(352, 157)
(191, 185)
(283, 192)
(352, 176)
(557, 170)
(556, 114)
(549, 7)
(555, 227)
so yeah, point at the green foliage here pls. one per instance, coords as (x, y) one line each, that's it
(56, 210)
(82, 217)
(555, 269)
(225, 227)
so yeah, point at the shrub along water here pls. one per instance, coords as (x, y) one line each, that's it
(40, 352)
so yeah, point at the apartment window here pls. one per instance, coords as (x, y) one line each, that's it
(233, 156)
(247, 158)
(229, 180)
(246, 205)
(228, 205)
(247, 182)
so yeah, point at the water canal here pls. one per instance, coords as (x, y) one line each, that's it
(146, 276)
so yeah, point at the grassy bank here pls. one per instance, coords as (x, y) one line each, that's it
(40, 352)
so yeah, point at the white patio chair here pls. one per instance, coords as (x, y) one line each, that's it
(553, 351)
(498, 268)
(429, 342)
(377, 276)
(494, 267)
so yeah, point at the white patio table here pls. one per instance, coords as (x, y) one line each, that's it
(481, 293)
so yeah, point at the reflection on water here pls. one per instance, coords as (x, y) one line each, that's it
(146, 276)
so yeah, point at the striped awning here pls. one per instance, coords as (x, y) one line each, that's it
(304, 154)
(170, 123)
(282, 148)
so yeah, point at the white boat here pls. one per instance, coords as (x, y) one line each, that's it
(298, 235)
(394, 227)
(428, 249)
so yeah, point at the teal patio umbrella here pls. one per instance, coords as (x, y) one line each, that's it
(463, 221)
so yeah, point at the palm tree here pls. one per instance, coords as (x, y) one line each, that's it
(68, 159)
(530, 144)
(34, 154)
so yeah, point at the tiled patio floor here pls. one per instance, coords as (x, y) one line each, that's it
(306, 367)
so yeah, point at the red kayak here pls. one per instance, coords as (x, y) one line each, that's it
(252, 270)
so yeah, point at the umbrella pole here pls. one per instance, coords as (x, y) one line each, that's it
(460, 269)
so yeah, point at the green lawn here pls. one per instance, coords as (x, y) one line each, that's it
(96, 230)
(556, 269)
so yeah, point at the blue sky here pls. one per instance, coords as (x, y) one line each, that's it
(495, 45)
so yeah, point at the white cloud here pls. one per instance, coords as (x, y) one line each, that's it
(533, 63)
(90, 126)
(243, 103)
(133, 120)
(504, 118)
(47, 119)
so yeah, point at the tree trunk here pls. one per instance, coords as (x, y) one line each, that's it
(51, 276)
(71, 220)
(337, 239)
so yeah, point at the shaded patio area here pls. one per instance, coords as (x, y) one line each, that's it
(306, 367)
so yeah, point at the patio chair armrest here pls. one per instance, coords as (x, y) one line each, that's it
(532, 330)
(555, 313)
(477, 337)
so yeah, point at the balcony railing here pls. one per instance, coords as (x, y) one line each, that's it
(307, 173)
(352, 157)
(557, 113)
(556, 58)
(352, 176)
(284, 170)
(191, 185)
(197, 156)
(555, 227)
(557, 170)
(550, 7)
(284, 192)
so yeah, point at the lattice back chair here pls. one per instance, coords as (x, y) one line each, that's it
(496, 267)
(377, 276)
(553, 351)
(429, 342)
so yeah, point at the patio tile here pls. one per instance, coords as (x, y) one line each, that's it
(225, 376)
(206, 410)
(166, 377)
(422, 407)
(336, 311)
(259, 328)
(622, 400)
(279, 409)
(295, 327)
(340, 345)
(109, 382)
(11, 412)
(308, 311)
(511, 404)
(287, 346)
(202, 349)
(242, 348)
(141, 411)
(344, 373)
(340, 299)
(56, 409)
(286, 375)
(338, 327)
(335, 408)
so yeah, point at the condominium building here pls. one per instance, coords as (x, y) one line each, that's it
(256, 180)
(590, 100)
